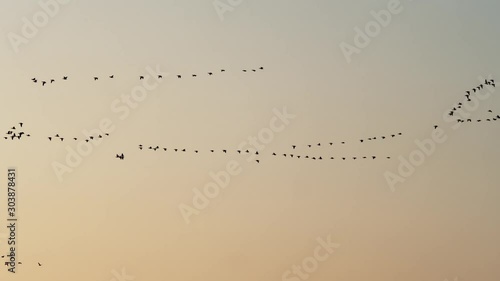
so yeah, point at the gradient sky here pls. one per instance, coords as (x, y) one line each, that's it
(442, 223)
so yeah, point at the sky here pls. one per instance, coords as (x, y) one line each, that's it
(430, 212)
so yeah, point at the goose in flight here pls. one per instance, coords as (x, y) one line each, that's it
(52, 80)
(293, 146)
(96, 78)
(65, 77)
(141, 77)
(43, 83)
(179, 76)
(210, 73)
(160, 77)
(120, 156)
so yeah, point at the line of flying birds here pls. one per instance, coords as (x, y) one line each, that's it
(141, 77)
(248, 152)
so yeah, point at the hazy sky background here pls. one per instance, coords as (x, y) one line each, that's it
(108, 214)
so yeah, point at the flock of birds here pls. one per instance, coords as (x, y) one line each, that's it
(141, 77)
(491, 83)
(255, 152)
(12, 133)
(248, 152)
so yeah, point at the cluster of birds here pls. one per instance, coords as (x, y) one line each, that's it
(7, 263)
(141, 77)
(487, 82)
(493, 118)
(13, 134)
(247, 152)
(57, 136)
(361, 140)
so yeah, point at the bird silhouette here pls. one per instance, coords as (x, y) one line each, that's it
(21, 125)
(111, 76)
(194, 75)
(435, 126)
(65, 77)
(43, 83)
(210, 73)
(261, 68)
(293, 146)
(222, 70)
(160, 77)
(179, 76)
(257, 161)
(52, 80)
(96, 78)
(141, 77)
(120, 156)
(39, 264)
